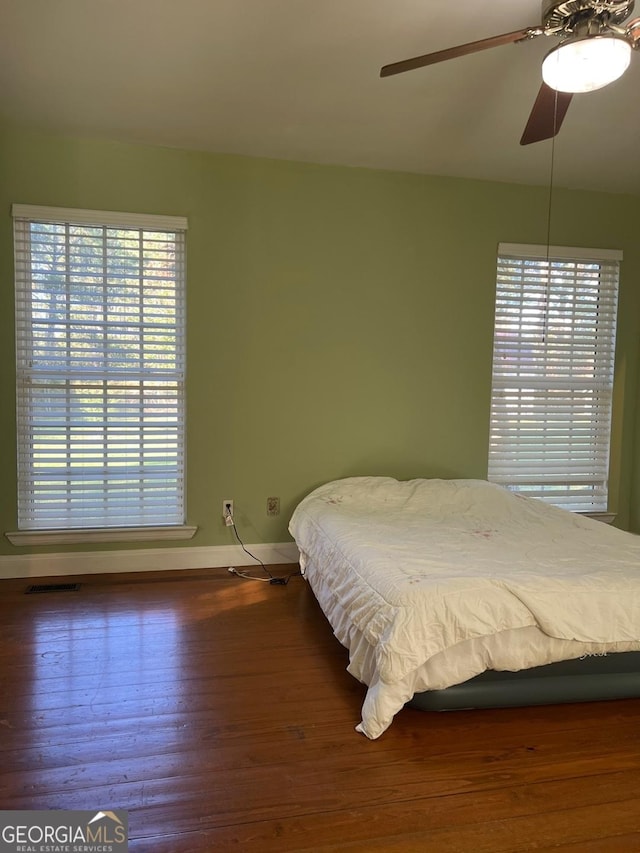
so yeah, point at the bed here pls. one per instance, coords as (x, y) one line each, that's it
(435, 586)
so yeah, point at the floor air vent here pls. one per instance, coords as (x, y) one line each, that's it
(53, 587)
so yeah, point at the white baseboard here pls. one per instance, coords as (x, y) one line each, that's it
(143, 560)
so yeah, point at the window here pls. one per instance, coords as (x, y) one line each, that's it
(100, 368)
(553, 360)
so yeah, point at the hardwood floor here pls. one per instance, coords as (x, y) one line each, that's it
(218, 712)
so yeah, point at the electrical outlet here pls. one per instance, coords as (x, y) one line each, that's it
(227, 510)
(273, 506)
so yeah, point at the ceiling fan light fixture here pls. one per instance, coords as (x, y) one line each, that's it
(586, 64)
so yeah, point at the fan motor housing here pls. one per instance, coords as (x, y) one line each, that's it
(563, 15)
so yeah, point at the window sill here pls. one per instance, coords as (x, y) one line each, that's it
(97, 535)
(604, 517)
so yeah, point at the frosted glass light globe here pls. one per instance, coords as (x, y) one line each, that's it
(586, 64)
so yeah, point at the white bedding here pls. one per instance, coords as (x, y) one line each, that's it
(430, 582)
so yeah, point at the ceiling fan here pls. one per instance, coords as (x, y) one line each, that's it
(595, 49)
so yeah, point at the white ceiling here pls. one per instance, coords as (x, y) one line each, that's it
(299, 79)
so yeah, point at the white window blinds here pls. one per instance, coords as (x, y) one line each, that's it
(100, 368)
(553, 360)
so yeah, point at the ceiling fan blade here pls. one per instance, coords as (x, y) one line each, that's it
(454, 52)
(547, 115)
(633, 30)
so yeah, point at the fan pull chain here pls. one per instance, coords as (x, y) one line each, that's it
(549, 208)
(553, 151)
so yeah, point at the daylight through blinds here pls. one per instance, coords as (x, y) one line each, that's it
(553, 360)
(100, 369)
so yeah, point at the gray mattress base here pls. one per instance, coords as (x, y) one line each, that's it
(590, 679)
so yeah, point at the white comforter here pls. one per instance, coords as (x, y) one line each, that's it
(410, 571)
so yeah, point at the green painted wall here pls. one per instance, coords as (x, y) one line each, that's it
(339, 320)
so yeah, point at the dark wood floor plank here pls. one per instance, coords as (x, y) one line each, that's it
(464, 828)
(579, 826)
(611, 844)
(218, 712)
(449, 770)
(423, 815)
